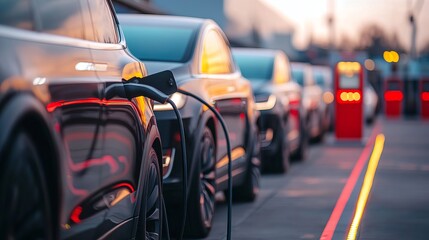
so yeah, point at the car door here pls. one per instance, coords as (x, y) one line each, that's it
(60, 58)
(230, 94)
(124, 121)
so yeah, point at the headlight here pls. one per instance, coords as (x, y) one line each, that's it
(265, 102)
(328, 97)
(177, 98)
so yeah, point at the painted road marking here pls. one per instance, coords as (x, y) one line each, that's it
(331, 225)
(367, 185)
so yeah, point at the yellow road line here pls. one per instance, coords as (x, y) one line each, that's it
(367, 185)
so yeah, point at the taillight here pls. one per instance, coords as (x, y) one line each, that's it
(393, 95)
(425, 96)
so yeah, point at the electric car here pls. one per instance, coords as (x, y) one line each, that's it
(199, 55)
(370, 102)
(78, 160)
(279, 101)
(313, 104)
(324, 79)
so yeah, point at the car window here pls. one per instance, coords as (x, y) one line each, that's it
(281, 70)
(159, 43)
(258, 68)
(425, 87)
(318, 77)
(298, 76)
(60, 17)
(105, 27)
(17, 14)
(216, 55)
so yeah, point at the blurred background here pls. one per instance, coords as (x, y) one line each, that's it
(321, 32)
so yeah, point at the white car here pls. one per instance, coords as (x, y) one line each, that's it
(313, 104)
(370, 102)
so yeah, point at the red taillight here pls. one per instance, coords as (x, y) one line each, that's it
(425, 96)
(177, 137)
(393, 96)
(236, 101)
(75, 215)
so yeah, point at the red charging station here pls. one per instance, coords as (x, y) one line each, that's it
(349, 100)
(393, 95)
(424, 98)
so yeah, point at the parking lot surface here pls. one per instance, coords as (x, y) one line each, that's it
(299, 204)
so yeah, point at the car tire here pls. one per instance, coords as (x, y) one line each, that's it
(248, 191)
(24, 198)
(280, 160)
(301, 153)
(201, 198)
(152, 211)
(321, 136)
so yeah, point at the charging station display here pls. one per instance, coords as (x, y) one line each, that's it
(349, 81)
(393, 95)
(349, 100)
(424, 98)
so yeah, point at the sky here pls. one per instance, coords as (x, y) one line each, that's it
(310, 18)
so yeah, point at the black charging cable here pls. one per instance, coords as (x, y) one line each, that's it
(131, 90)
(184, 166)
(228, 145)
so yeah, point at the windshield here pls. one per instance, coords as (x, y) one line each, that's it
(159, 43)
(318, 77)
(255, 69)
(298, 76)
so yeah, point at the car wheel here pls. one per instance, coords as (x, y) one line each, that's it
(24, 199)
(321, 136)
(201, 198)
(152, 211)
(301, 153)
(249, 190)
(281, 162)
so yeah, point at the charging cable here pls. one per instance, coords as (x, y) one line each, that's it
(228, 145)
(131, 90)
(184, 166)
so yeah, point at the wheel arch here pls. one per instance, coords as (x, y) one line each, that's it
(211, 125)
(23, 111)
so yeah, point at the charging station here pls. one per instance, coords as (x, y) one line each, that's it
(393, 95)
(349, 100)
(424, 98)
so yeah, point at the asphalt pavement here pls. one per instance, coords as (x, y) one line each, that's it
(320, 194)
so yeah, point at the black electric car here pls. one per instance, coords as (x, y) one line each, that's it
(198, 53)
(279, 101)
(78, 160)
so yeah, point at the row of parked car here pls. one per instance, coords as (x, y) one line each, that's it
(81, 159)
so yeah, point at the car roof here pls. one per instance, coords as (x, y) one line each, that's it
(300, 66)
(256, 51)
(162, 20)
